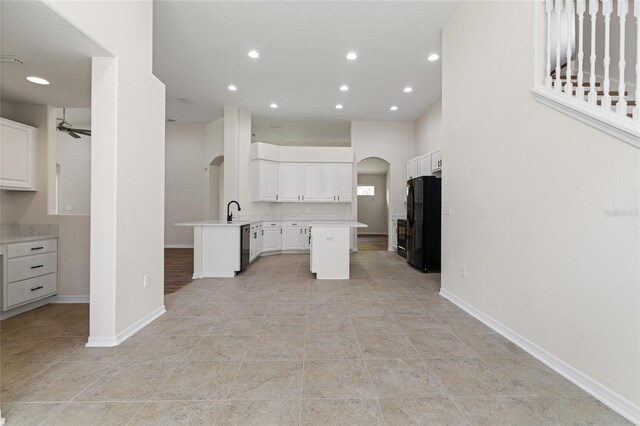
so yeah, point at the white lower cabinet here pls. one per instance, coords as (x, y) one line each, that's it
(256, 242)
(292, 236)
(272, 239)
(306, 238)
(29, 272)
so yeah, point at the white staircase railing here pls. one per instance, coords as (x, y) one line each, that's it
(584, 83)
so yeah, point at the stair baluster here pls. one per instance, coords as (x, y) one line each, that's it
(580, 8)
(607, 9)
(547, 78)
(636, 13)
(558, 83)
(621, 105)
(568, 86)
(593, 12)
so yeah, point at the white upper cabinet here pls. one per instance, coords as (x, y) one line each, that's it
(436, 161)
(265, 180)
(329, 182)
(345, 183)
(18, 156)
(311, 182)
(424, 162)
(290, 182)
(412, 168)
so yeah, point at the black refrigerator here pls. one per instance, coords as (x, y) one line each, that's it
(424, 198)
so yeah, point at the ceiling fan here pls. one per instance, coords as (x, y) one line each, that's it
(65, 126)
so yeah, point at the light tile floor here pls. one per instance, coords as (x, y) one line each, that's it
(275, 347)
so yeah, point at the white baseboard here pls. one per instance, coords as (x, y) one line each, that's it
(616, 402)
(178, 246)
(71, 298)
(110, 341)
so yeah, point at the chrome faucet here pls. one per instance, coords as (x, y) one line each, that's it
(229, 215)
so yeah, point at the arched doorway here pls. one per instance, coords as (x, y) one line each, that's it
(373, 204)
(216, 188)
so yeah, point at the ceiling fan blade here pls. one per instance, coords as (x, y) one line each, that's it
(72, 134)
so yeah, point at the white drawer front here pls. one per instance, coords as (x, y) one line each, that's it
(34, 288)
(31, 247)
(274, 224)
(22, 268)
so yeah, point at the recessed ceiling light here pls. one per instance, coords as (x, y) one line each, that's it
(352, 56)
(274, 106)
(433, 57)
(253, 54)
(344, 88)
(232, 87)
(339, 106)
(37, 80)
(408, 89)
(394, 108)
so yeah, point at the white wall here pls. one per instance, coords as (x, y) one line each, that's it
(184, 183)
(530, 190)
(74, 157)
(372, 210)
(429, 129)
(128, 163)
(394, 142)
(214, 149)
(31, 207)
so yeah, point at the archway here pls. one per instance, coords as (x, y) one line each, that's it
(216, 188)
(373, 204)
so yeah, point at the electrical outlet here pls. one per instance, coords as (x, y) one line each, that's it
(446, 210)
(463, 272)
(308, 210)
(68, 208)
(147, 281)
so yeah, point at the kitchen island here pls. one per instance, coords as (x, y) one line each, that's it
(219, 249)
(330, 243)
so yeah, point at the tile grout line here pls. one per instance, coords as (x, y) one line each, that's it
(366, 367)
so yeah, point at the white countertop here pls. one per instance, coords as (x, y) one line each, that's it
(337, 223)
(24, 238)
(310, 222)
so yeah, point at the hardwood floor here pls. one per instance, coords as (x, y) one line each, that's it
(178, 268)
(372, 242)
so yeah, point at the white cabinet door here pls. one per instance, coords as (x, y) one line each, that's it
(293, 238)
(436, 161)
(329, 182)
(425, 165)
(345, 183)
(265, 180)
(272, 239)
(290, 182)
(412, 168)
(311, 182)
(259, 242)
(18, 156)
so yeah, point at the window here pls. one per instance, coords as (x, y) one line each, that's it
(366, 190)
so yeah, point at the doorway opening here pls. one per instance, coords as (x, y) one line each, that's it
(373, 204)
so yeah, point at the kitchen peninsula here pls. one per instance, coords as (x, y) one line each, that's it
(223, 249)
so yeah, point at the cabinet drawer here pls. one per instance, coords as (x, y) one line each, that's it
(293, 223)
(31, 289)
(31, 247)
(274, 224)
(22, 268)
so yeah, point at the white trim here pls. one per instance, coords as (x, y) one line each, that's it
(110, 341)
(373, 233)
(624, 129)
(197, 276)
(616, 402)
(71, 298)
(24, 308)
(178, 246)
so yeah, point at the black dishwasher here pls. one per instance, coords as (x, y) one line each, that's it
(245, 246)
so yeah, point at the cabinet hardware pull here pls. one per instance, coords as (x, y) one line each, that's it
(281, 230)
(37, 248)
(261, 232)
(37, 266)
(303, 198)
(276, 197)
(37, 288)
(338, 198)
(301, 231)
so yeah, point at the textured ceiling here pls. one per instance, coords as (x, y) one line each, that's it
(52, 49)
